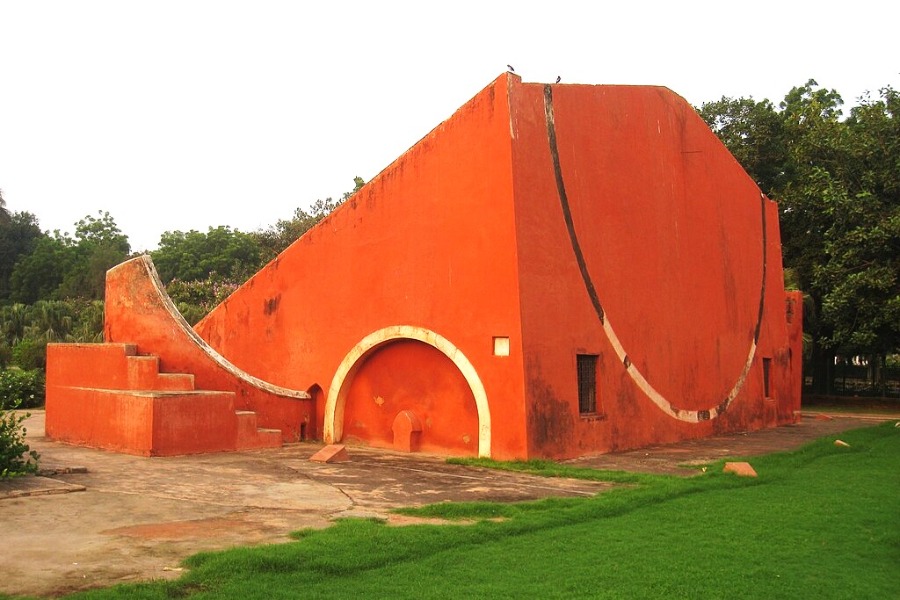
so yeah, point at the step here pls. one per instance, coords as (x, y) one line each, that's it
(143, 374)
(180, 382)
(251, 437)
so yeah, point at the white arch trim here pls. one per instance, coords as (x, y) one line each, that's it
(340, 384)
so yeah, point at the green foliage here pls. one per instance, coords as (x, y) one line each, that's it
(21, 389)
(5, 354)
(815, 523)
(101, 231)
(753, 132)
(57, 266)
(87, 321)
(16, 457)
(39, 274)
(276, 239)
(18, 236)
(195, 256)
(195, 299)
(13, 322)
(99, 246)
(26, 329)
(30, 354)
(836, 183)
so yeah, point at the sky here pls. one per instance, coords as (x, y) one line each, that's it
(185, 115)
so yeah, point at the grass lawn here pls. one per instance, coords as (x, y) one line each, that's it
(821, 522)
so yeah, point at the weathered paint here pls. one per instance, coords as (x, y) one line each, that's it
(562, 220)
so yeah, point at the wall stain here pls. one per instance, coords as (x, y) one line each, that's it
(626, 402)
(271, 305)
(550, 419)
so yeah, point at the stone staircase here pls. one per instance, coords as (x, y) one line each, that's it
(110, 396)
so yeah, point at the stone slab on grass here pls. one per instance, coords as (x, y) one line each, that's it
(741, 469)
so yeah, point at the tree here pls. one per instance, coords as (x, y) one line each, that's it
(837, 188)
(39, 274)
(4, 213)
(754, 133)
(195, 256)
(99, 246)
(859, 280)
(59, 266)
(276, 239)
(18, 237)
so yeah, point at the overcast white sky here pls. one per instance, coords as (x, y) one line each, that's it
(185, 115)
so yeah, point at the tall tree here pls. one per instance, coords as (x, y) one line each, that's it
(860, 278)
(99, 246)
(58, 266)
(275, 240)
(38, 275)
(4, 213)
(195, 256)
(835, 180)
(18, 238)
(754, 133)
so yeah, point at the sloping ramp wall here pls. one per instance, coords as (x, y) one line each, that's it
(427, 245)
(140, 312)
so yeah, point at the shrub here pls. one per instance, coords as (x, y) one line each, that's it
(21, 389)
(30, 354)
(5, 354)
(16, 457)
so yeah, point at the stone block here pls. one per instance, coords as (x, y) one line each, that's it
(331, 454)
(741, 469)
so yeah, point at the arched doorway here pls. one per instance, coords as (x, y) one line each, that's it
(415, 373)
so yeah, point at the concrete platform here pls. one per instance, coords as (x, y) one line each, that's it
(100, 518)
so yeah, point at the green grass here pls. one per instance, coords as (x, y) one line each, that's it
(820, 522)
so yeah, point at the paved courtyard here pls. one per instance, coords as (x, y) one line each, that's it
(98, 518)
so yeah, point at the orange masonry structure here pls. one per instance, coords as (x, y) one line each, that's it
(554, 271)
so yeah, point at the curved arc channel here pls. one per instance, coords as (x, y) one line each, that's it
(688, 416)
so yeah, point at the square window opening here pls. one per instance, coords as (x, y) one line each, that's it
(501, 346)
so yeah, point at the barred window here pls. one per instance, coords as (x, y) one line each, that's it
(587, 383)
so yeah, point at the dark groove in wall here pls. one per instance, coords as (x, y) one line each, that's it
(579, 254)
(762, 293)
(564, 201)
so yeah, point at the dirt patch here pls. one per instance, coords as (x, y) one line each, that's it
(215, 527)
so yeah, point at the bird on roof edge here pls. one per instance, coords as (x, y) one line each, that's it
(558, 79)
(510, 67)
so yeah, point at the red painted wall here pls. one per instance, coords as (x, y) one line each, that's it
(671, 231)
(465, 235)
(429, 242)
(411, 375)
(137, 311)
(103, 396)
